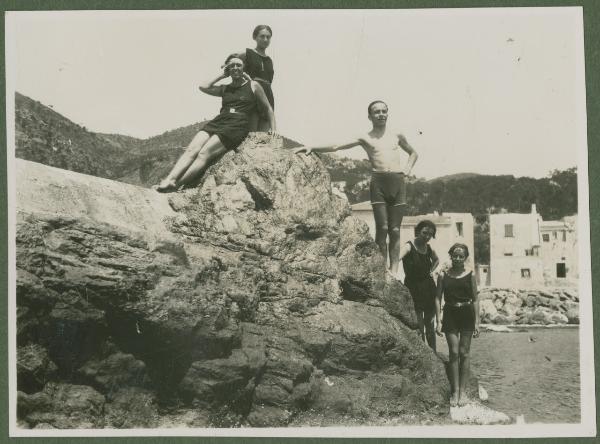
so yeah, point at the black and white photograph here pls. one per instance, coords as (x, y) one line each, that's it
(321, 223)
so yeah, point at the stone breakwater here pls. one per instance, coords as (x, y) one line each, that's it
(548, 306)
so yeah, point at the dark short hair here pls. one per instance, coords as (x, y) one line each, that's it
(459, 245)
(260, 28)
(374, 102)
(234, 56)
(425, 224)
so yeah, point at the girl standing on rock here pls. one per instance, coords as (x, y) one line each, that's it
(460, 321)
(226, 131)
(259, 66)
(419, 260)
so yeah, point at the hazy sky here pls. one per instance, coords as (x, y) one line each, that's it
(494, 91)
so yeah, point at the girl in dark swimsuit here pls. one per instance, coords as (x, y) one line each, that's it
(419, 260)
(460, 320)
(226, 131)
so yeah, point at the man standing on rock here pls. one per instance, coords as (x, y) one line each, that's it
(388, 180)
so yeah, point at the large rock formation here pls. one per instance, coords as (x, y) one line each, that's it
(255, 299)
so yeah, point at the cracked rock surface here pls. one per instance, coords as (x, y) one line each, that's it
(254, 299)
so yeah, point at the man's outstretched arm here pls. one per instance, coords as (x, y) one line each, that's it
(326, 149)
(413, 155)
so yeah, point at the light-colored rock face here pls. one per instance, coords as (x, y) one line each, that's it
(234, 301)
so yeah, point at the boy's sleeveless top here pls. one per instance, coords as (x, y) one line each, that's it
(258, 66)
(241, 99)
(458, 289)
(417, 266)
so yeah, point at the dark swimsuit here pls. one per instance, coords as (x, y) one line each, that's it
(388, 188)
(233, 123)
(459, 312)
(417, 269)
(260, 68)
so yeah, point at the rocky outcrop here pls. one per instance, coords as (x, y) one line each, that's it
(252, 300)
(530, 306)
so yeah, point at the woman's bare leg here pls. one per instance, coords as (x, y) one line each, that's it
(212, 150)
(452, 339)
(465, 365)
(184, 162)
(429, 324)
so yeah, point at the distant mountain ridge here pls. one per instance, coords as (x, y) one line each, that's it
(45, 136)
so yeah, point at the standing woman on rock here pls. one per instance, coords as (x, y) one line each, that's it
(460, 321)
(419, 260)
(259, 66)
(226, 131)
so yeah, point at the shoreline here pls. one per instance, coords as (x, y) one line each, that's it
(506, 328)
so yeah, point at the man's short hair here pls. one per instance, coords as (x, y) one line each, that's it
(374, 102)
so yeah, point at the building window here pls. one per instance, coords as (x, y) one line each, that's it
(561, 270)
(546, 237)
(564, 235)
(525, 273)
(555, 235)
(508, 254)
(508, 230)
(459, 228)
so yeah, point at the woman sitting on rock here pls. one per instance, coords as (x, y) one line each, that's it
(226, 131)
(460, 321)
(419, 260)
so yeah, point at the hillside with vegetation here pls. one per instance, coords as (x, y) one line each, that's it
(45, 136)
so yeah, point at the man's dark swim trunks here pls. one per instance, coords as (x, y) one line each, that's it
(388, 188)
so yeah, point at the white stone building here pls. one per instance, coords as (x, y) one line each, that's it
(526, 251)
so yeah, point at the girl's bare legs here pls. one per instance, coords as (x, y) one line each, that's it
(170, 183)
(212, 150)
(429, 325)
(453, 342)
(464, 348)
(420, 322)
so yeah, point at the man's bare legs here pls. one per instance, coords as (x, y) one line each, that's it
(387, 224)
(395, 214)
(381, 228)
(453, 374)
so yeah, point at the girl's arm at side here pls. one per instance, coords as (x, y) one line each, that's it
(475, 303)
(436, 260)
(438, 304)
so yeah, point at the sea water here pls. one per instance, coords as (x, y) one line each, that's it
(532, 372)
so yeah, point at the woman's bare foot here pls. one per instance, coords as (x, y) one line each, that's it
(454, 400)
(166, 186)
(463, 400)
